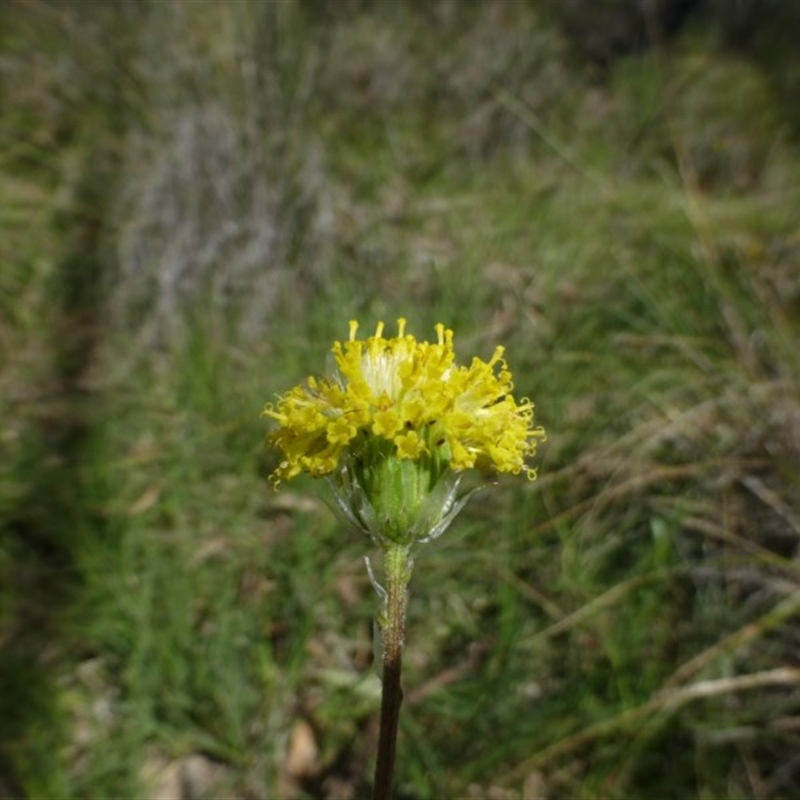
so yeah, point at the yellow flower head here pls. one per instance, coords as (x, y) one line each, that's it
(395, 427)
(408, 399)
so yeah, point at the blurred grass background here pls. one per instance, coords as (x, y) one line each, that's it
(195, 198)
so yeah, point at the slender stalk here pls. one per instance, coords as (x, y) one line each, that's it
(397, 565)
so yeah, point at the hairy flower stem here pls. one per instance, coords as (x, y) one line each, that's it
(397, 566)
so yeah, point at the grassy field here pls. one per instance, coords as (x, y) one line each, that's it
(188, 220)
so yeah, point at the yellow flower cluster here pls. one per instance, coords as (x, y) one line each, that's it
(412, 396)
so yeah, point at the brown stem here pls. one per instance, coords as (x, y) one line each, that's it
(397, 564)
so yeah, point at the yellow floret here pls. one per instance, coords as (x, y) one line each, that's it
(412, 395)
